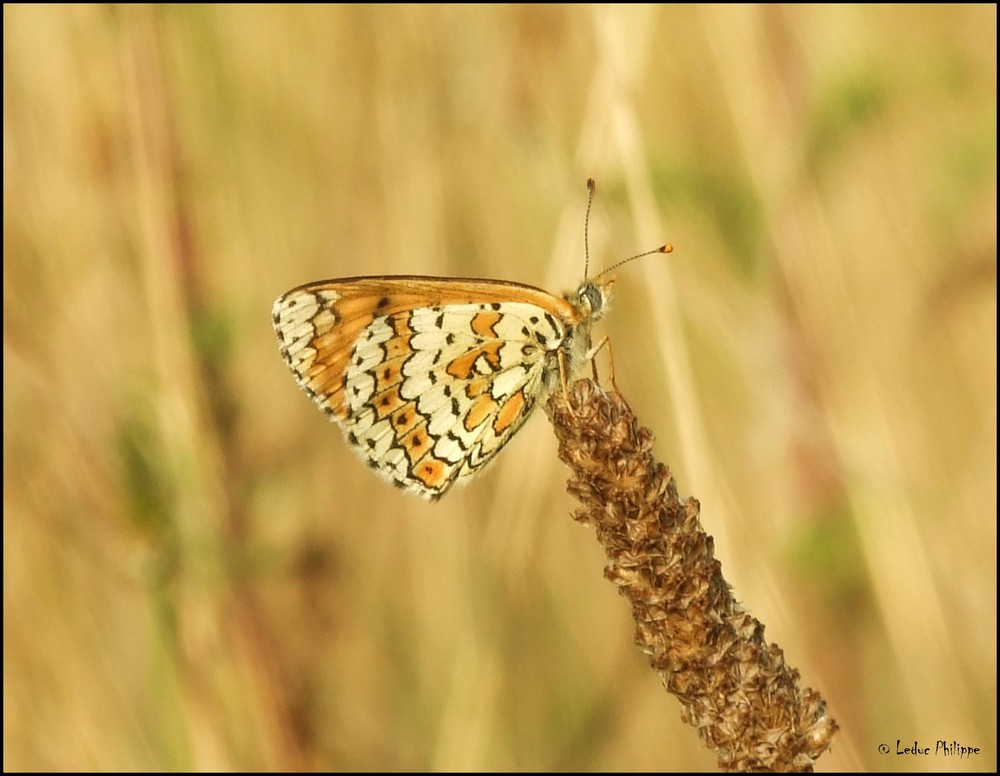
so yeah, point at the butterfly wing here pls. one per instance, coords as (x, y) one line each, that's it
(428, 377)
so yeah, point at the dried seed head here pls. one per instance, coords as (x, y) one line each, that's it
(733, 686)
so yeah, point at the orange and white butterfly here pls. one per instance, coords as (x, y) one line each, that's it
(430, 377)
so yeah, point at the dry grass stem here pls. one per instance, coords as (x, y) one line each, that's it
(746, 702)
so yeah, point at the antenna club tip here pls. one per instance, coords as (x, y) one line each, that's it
(668, 248)
(591, 185)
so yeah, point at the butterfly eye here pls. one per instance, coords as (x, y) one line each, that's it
(593, 297)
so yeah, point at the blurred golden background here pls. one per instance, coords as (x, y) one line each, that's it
(198, 572)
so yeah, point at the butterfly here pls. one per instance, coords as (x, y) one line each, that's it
(430, 377)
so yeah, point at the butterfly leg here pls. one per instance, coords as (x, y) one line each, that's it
(592, 356)
(563, 370)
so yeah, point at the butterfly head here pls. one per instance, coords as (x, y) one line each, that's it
(592, 297)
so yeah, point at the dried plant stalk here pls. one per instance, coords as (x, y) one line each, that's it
(733, 686)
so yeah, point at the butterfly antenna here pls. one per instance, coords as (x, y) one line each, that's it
(591, 188)
(668, 248)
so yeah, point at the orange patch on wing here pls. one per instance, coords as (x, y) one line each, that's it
(387, 402)
(387, 374)
(483, 407)
(464, 367)
(476, 387)
(326, 344)
(337, 402)
(321, 378)
(509, 412)
(397, 347)
(406, 419)
(432, 472)
(416, 444)
(325, 382)
(483, 324)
